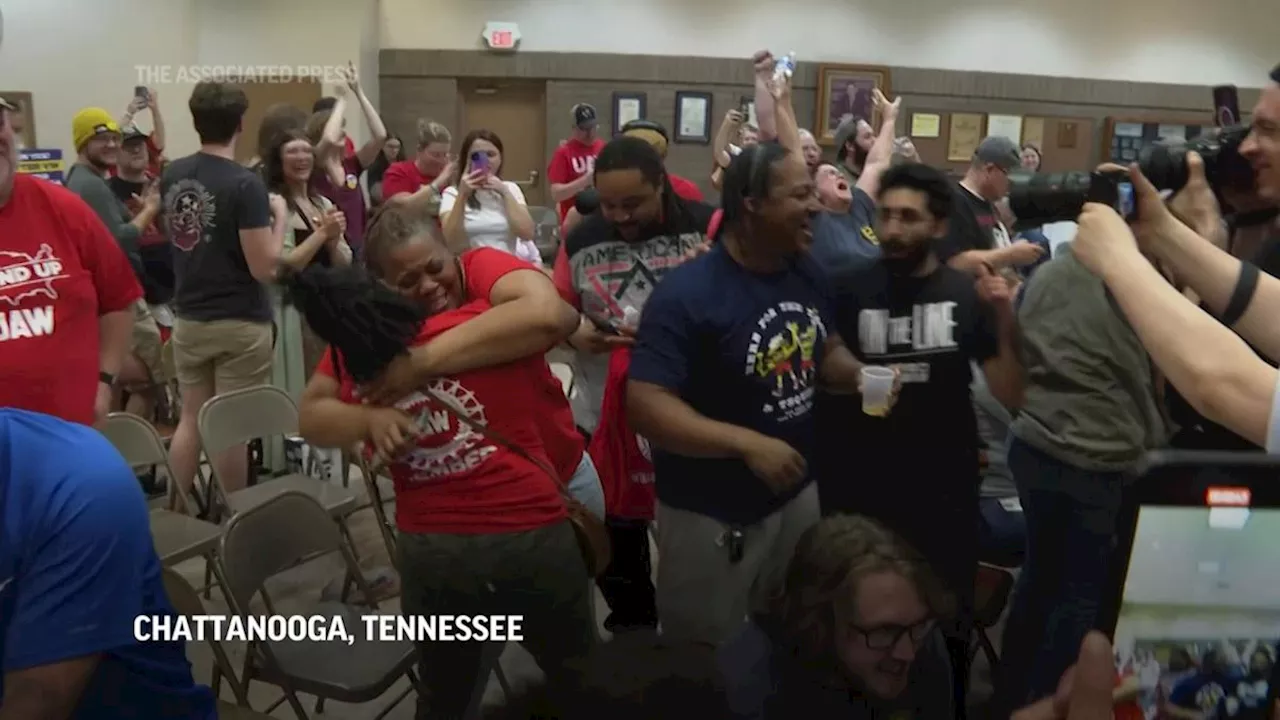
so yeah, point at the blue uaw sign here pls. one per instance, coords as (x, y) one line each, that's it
(45, 164)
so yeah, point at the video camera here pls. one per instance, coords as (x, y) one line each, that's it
(1040, 198)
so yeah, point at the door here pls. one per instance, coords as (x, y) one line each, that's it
(299, 93)
(515, 111)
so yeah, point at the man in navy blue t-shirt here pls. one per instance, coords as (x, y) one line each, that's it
(730, 351)
(77, 565)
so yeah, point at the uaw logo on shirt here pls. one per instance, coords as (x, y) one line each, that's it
(446, 446)
(189, 211)
(782, 353)
(26, 280)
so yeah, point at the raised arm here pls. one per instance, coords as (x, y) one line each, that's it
(1230, 385)
(881, 152)
(368, 152)
(1212, 273)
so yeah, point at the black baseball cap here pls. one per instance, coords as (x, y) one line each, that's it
(584, 116)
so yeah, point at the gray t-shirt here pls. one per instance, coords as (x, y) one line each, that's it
(207, 201)
(993, 429)
(845, 244)
(1090, 398)
(97, 194)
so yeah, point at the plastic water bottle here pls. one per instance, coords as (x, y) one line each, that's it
(630, 317)
(784, 67)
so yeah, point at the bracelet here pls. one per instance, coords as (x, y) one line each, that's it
(1246, 285)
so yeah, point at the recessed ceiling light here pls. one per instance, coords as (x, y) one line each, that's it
(1209, 567)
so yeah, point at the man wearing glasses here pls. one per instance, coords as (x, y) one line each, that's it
(976, 237)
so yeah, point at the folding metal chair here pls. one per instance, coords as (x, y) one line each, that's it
(991, 595)
(178, 536)
(388, 528)
(284, 531)
(237, 417)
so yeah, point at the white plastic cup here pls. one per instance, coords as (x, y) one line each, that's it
(877, 386)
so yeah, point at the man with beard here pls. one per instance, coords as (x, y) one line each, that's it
(854, 140)
(614, 258)
(917, 468)
(97, 138)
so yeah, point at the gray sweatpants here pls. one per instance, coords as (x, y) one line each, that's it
(702, 595)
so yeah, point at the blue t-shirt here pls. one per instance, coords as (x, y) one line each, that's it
(1205, 693)
(77, 565)
(845, 244)
(742, 348)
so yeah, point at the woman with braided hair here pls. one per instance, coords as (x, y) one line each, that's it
(436, 364)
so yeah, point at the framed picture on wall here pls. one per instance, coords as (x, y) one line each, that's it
(693, 117)
(25, 122)
(627, 106)
(844, 93)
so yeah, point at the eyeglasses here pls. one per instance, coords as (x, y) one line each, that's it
(886, 637)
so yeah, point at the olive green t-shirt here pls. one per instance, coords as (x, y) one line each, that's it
(1090, 399)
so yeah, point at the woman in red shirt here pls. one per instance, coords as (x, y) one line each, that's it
(483, 528)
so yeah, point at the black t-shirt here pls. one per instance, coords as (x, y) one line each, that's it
(207, 201)
(1196, 432)
(973, 225)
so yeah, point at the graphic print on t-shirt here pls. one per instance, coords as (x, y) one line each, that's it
(583, 164)
(446, 445)
(23, 277)
(781, 353)
(189, 211)
(930, 329)
(621, 274)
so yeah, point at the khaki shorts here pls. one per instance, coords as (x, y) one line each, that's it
(146, 344)
(226, 355)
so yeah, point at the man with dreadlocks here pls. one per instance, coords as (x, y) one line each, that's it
(482, 525)
(616, 256)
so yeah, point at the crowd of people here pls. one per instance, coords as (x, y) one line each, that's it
(817, 550)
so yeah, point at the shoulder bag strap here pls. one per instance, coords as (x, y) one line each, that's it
(495, 436)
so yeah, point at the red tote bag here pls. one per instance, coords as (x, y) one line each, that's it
(621, 457)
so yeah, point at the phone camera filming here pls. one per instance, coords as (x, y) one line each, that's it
(1199, 612)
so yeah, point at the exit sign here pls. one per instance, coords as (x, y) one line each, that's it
(501, 35)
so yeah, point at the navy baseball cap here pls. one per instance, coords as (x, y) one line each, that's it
(584, 116)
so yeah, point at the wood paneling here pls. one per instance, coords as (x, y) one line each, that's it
(422, 83)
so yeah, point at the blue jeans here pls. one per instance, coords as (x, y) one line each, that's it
(1002, 534)
(1071, 516)
(585, 487)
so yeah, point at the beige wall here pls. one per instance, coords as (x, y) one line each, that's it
(421, 83)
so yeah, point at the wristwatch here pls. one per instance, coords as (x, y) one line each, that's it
(106, 378)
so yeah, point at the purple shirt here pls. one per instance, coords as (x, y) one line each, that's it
(349, 199)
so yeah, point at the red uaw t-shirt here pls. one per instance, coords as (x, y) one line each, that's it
(570, 161)
(403, 177)
(457, 480)
(60, 270)
(482, 268)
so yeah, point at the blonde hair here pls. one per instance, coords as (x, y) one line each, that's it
(430, 131)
